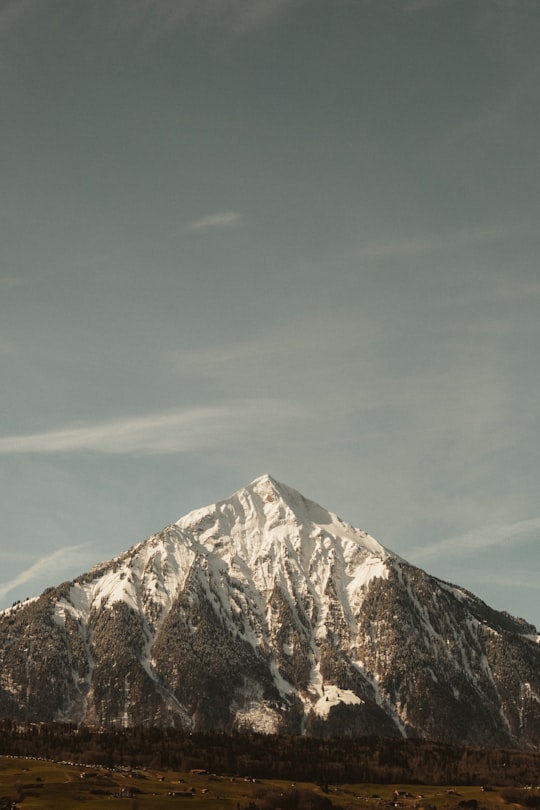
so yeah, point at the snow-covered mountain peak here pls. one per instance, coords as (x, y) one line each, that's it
(267, 611)
(266, 535)
(268, 513)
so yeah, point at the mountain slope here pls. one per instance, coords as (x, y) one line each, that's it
(266, 611)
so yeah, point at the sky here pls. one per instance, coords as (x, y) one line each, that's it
(295, 237)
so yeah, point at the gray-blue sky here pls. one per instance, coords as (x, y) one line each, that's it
(286, 236)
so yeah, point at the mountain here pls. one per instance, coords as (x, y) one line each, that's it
(267, 612)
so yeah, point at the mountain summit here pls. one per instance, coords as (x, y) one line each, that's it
(267, 612)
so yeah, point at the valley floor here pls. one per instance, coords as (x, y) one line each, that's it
(31, 783)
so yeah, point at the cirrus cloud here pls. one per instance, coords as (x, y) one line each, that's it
(510, 534)
(62, 559)
(158, 18)
(220, 221)
(174, 431)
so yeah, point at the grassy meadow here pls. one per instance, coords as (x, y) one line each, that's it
(41, 784)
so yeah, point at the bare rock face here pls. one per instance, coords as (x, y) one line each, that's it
(267, 612)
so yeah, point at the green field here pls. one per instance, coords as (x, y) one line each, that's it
(40, 784)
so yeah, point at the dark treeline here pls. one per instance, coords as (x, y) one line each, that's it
(330, 760)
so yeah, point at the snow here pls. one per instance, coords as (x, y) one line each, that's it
(255, 713)
(261, 555)
(284, 687)
(259, 717)
(154, 570)
(265, 535)
(12, 609)
(333, 696)
(269, 528)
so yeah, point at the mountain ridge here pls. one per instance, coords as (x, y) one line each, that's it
(265, 611)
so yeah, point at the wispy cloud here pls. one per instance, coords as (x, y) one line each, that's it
(62, 559)
(422, 5)
(220, 221)
(458, 238)
(460, 410)
(161, 433)
(152, 20)
(159, 18)
(294, 358)
(504, 579)
(493, 536)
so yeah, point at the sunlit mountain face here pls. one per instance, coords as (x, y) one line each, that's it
(267, 612)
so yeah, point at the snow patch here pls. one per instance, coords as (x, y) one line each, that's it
(333, 696)
(259, 717)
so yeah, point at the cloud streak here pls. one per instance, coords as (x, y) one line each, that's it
(220, 221)
(60, 560)
(493, 536)
(456, 239)
(154, 19)
(158, 18)
(177, 431)
(506, 579)
(423, 5)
